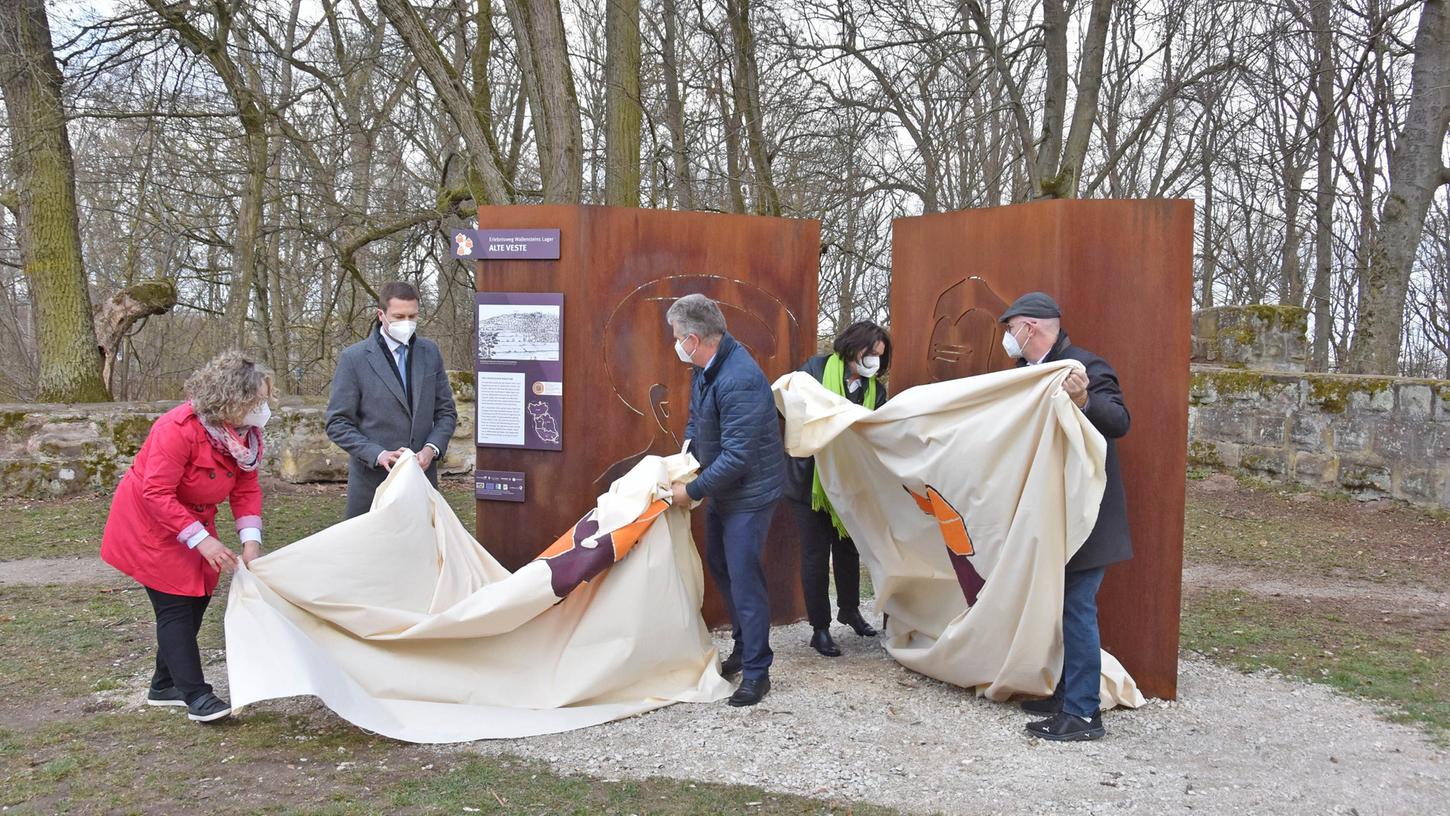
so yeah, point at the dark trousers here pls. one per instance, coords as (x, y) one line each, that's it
(822, 547)
(178, 659)
(734, 541)
(1082, 658)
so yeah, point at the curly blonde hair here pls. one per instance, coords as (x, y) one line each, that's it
(225, 389)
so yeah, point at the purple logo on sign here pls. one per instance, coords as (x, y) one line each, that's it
(517, 244)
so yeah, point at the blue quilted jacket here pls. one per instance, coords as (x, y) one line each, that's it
(735, 433)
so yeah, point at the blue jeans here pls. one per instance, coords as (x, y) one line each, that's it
(734, 541)
(1082, 659)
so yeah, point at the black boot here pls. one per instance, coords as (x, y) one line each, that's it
(821, 641)
(732, 664)
(853, 619)
(750, 692)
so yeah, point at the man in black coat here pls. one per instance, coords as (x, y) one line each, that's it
(734, 433)
(1034, 335)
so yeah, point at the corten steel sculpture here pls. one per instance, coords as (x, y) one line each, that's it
(626, 394)
(1122, 272)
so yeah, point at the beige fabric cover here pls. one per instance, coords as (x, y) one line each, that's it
(403, 625)
(1024, 469)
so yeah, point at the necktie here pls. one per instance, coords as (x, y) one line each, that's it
(403, 366)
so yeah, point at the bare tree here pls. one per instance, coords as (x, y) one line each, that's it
(49, 230)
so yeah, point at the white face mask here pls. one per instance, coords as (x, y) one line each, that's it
(681, 353)
(869, 365)
(1010, 345)
(257, 417)
(402, 330)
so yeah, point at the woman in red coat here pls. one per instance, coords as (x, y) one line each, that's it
(162, 527)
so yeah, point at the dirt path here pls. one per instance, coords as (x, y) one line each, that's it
(1389, 597)
(46, 571)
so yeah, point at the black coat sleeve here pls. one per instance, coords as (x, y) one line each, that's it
(1105, 408)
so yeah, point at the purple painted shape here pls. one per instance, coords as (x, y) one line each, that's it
(516, 244)
(967, 576)
(578, 564)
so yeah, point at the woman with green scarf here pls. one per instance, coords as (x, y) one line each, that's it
(853, 369)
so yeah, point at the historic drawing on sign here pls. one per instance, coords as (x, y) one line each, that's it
(518, 332)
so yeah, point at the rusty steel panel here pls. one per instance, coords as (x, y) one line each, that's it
(1122, 272)
(626, 394)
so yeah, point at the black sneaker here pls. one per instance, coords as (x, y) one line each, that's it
(1046, 705)
(732, 664)
(168, 696)
(1065, 727)
(208, 707)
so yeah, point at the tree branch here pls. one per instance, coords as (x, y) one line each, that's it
(10, 200)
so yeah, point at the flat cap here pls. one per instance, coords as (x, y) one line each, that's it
(1032, 304)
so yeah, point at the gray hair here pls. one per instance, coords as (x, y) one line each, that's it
(697, 315)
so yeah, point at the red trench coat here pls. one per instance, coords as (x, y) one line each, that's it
(171, 491)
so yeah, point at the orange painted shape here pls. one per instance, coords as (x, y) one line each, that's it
(629, 535)
(953, 526)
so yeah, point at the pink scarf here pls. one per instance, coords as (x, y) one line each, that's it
(247, 452)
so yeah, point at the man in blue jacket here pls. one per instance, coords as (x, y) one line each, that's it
(733, 432)
(1033, 334)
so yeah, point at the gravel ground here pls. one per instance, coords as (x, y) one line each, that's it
(861, 728)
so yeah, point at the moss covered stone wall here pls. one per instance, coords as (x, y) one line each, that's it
(1371, 437)
(60, 450)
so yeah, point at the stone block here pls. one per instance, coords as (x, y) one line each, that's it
(1263, 461)
(64, 440)
(1265, 337)
(1365, 480)
(1398, 440)
(1204, 454)
(1414, 401)
(1373, 400)
(1309, 431)
(1352, 433)
(1270, 428)
(1420, 485)
(1314, 469)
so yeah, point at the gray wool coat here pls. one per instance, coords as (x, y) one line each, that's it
(370, 411)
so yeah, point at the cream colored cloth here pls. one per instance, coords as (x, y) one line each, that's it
(1009, 458)
(402, 624)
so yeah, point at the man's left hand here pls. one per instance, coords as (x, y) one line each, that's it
(425, 457)
(681, 496)
(1076, 387)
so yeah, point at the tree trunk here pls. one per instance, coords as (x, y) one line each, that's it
(1210, 248)
(1324, 192)
(1054, 99)
(114, 317)
(621, 103)
(746, 83)
(1415, 171)
(555, 104)
(675, 109)
(49, 225)
(1085, 107)
(458, 100)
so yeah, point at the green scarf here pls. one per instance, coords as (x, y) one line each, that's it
(835, 381)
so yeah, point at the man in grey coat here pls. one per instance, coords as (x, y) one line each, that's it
(390, 394)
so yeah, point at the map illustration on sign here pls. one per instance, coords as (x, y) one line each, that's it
(546, 427)
(518, 332)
